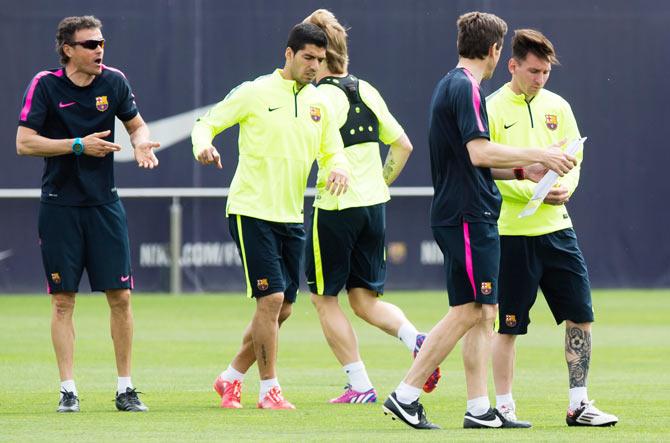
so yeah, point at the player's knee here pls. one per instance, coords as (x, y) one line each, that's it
(320, 302)
(119, 300)
(286, 310)
(489, 313)
(361, 309)
(63, 305)
(270, 304)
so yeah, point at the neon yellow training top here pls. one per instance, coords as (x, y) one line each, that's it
(282, 131)
(545, 120)
(366, 184)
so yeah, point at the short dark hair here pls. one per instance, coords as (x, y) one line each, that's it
(67, 28)
(477, 31)
(306, 34)
(533, 41)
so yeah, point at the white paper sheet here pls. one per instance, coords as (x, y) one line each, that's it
(547, 182)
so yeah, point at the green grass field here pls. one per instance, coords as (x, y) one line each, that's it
(181, 344)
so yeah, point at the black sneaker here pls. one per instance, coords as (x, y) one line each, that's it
(129, 401)
(491, 419)
(413, 414)
(69, 402)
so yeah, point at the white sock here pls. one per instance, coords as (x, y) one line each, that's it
(407, 334)
(406, 393)
(478, 406)
(576, 397)
(69, 386)
(123, 383)
(266, 385)
(232, 374)
(358, 376)
(505, 399)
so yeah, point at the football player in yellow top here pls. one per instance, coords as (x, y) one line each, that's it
(285, 124)
(345, 245)
(540, 250)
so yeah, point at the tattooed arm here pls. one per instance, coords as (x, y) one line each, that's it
(396, 158)
(577, 354)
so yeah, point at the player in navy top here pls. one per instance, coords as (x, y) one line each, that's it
(67, 117)
(464, 216)
(458, 115)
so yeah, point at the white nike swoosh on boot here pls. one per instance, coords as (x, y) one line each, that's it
(167, 131)
(490, 423)
(414, 419)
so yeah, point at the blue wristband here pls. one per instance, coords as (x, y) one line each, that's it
(78, 146)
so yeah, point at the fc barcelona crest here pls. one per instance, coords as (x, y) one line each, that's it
(55, 277)
(315, 113)
(487, 287)
(101, 103)
(510, 320)
(551, 121)
(262, 284)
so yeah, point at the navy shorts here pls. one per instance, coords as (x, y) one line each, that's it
(552, 262)
(95, 238)
(346, 249)
(271, 255)
(471, 261)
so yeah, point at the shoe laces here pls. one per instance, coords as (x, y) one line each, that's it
(508, 413)
(589, 406)
(275, 395)
(67, 395)
(131, 395)
(235, 387)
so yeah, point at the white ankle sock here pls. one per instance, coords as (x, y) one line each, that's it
(69, 386)
(478, 406)
(122, 384)
(231, 374)
(358, 376)
(576, 396)
(406, 393)
(505, 399)
(407, 334)
(266, 385)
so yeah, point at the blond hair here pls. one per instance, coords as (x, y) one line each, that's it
(337, 55)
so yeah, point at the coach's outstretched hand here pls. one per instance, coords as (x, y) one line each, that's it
(557, 160)
(210, 156)
(145, 156)
(338, 181)
(95, 146)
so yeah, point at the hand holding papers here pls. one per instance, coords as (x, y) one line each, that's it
(543, 187)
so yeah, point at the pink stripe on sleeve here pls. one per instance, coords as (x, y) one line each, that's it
(476, 99)
(31, 91)
(468, 258)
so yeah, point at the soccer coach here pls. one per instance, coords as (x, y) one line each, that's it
(67, 117)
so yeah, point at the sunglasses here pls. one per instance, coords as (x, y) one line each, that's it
(90, 44)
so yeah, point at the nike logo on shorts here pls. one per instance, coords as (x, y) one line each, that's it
(125, 278)
(509, 126)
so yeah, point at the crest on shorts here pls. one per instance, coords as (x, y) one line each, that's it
(315, 113)
(101, 103)
(55, 277)
(551, 120)
(262, 284)
(510, 320)
(397, 252)
(487, 287)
